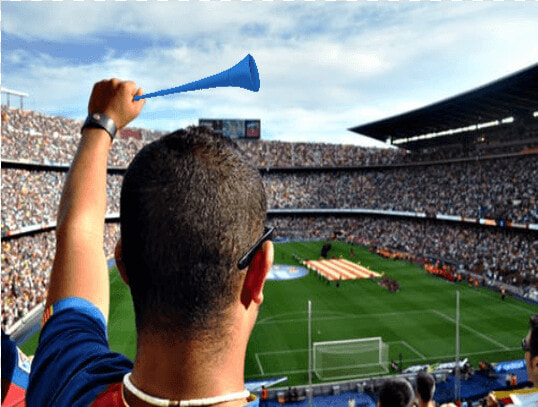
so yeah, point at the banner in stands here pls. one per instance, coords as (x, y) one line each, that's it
(449, 365)
(129, 133)
(510, 366)
(417, 368)
(234, 128)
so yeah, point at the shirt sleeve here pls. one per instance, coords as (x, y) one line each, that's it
(73, 362)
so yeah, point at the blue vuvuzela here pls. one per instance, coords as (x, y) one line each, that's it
(243, 75)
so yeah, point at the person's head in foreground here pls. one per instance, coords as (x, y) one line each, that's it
(530, 347)
(425, 389)
(396, 393)
(191, 208)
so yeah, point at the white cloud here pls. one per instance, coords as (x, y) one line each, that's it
(324, 67)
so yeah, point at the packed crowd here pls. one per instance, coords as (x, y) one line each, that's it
(35, 137)
(32, 136)
(268, 154)
(500, 189)
(488, 141)
(32, 197)
(40, 138)
(26, 265)
(507, 256)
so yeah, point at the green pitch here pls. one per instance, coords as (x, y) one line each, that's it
(418, 322)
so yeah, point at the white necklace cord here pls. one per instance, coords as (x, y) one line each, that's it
(156, 401)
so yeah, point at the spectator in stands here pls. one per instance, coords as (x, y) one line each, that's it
(396, 393)
(425, 389)
(192, 213)
(264, 396)
(530, 348)
(26, 264)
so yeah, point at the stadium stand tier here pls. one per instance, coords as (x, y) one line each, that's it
(455, 120)
(36, 151)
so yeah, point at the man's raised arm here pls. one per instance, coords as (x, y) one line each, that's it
(79, 268)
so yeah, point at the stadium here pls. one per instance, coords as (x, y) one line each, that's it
(387, 261)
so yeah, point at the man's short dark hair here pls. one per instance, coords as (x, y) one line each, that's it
(396, 393)
(533, 343)
(425, 386)
(191, 205)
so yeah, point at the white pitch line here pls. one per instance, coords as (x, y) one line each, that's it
(276, 352)
(288, 372)
(282, 373)
(273, 318)
(413, 350)
(470, 329)
(345, 316)
(447, 357)
(259, 364)
(507, 303)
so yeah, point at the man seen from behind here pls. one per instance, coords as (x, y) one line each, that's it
(191, 209)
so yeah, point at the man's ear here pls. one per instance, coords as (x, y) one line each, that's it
(119, 262)
(258, 269)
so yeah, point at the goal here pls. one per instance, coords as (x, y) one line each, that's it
(350, 358)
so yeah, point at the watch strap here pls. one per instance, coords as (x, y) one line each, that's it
(101, 121)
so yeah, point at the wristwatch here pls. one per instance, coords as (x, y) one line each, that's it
(100, 121)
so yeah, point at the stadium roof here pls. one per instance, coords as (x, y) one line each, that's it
(511, 96)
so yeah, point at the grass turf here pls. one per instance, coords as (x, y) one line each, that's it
(418, 322)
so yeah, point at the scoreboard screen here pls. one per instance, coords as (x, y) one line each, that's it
(234, 128)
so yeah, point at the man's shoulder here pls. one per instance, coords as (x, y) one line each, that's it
(73, 362)
(77, 307)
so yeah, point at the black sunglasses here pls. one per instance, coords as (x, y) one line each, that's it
(249, 255)
(525, 346)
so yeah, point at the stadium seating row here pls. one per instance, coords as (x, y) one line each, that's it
(499, 189)
(510, 257)
(37, 137)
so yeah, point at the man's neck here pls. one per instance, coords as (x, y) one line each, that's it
(186, 370)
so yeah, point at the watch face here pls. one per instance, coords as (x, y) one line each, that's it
(99, 120)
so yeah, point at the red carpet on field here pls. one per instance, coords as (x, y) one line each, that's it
(340, 269)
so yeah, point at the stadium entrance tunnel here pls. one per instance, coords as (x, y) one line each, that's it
(285, 272)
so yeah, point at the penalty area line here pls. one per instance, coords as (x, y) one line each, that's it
(412, 349)
(259, 364)
(487, 338)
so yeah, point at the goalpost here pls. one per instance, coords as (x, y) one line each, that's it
(350, 358)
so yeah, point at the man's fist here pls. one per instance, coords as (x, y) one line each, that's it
(114, 98)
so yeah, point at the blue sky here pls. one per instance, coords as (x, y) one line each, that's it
(324, 66)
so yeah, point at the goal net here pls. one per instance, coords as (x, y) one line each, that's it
(350, 358)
